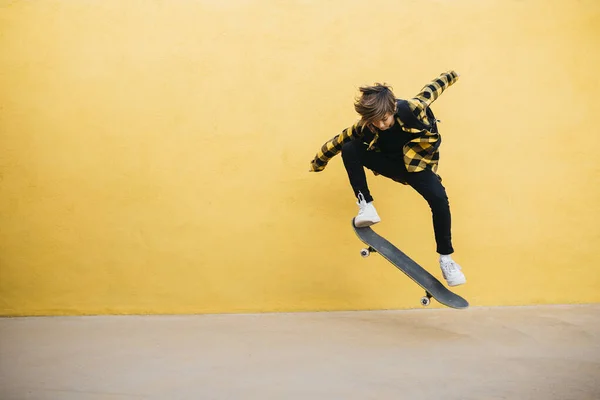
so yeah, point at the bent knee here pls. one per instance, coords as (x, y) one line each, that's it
(438, 199)
(346, 147)
(351, 149)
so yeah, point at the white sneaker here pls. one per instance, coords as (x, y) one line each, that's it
(367, 215)
(451, 271)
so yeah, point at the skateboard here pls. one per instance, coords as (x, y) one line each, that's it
(433, 287)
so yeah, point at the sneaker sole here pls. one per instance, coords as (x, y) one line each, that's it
(364, 224)
(457, 283)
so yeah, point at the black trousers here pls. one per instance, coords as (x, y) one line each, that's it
(426, 183)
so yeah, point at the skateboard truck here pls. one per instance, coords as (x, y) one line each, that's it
(366, 252)
(426, 300)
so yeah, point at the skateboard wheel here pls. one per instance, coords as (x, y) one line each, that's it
(365, 252)
(425, 301)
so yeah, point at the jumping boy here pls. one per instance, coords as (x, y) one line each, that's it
(398, 139)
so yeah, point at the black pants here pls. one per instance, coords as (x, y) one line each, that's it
(426, 183)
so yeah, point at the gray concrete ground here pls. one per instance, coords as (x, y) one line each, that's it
(542, 353)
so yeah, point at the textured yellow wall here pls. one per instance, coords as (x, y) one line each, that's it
(154, 154)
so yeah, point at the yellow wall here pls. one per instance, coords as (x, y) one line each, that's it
(154, 154)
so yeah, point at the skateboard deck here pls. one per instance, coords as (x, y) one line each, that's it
(433, 287)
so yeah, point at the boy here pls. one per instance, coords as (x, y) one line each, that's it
(398, 139)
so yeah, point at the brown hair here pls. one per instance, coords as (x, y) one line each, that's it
(374, 103)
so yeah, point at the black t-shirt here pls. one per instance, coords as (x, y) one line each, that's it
(393, 140)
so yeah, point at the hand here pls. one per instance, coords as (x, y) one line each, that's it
(316, 168)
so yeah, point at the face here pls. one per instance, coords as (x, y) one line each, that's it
(384, 124)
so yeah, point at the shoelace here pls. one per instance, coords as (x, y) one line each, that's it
(450, 267)
(362, 203)
(361, 198)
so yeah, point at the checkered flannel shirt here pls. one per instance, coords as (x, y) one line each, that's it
(419, 153)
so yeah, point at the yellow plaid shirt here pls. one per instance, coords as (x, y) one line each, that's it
(419, 153)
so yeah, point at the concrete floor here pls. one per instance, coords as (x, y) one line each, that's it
(542, 353)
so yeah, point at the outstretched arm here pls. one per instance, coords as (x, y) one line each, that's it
(333, 147)
(435, 88)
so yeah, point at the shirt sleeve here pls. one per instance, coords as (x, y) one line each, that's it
(332, 147)
(435, 88)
